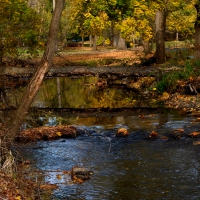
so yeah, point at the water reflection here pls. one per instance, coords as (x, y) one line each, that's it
(82, 92)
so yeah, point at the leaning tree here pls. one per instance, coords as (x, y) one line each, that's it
(13, 125)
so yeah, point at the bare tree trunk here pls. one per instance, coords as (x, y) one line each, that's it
(122, 44)
(82, 41)
(197, 33)
(160, 31)
(38, 77)
(177, 36)
(112, 33)
(94, 47)
(91, 41)
(1, 47)
(146, 46)
(54, 4)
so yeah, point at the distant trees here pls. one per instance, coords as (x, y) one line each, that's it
(133, 20)
(106, 22)
(197, 31)
(19, 28)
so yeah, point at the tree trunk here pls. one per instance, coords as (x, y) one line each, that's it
(54, 4)
(177, 36)
(112, 33)
(37, 79)
(1, 48)
(146, 46)
(91, 41)
(82, 40)
(160, 31)
(121, 44)
(94, 47)
(197, 33)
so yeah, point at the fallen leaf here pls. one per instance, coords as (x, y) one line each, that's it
(153, 134)
(194, 134)
(141, 116)
(18, 197)
(58, 176)
(181, 130)
(59, 134)
(48, 187)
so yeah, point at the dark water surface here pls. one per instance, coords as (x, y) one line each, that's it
(124, 168)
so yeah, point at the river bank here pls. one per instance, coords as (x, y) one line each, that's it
(113, 65)
(189, 104)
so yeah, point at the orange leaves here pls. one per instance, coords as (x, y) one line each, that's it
(10, 190)
(153, 134)
(141, 116)
(75, 179)
(122, 132)
(48, 133)
(48, 187)
(180, 130)
(194, 134)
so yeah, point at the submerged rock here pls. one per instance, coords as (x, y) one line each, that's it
(122, 132)
(80, 174)
(153, 135)
(177, 134)
(194, 134)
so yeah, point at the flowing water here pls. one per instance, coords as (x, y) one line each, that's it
(125, 168)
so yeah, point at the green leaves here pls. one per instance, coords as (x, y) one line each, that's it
(19, 27)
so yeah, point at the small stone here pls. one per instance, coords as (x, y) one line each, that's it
(122, 132)
(79, 174)
(194, 134)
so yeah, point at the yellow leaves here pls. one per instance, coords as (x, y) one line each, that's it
(18, 197)
(165, 96)
(175, 3)
(58, 176)
(59, 134)
(87, 15)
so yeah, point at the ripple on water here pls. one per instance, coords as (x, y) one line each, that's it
(124, 168)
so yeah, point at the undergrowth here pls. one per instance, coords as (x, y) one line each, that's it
(170, 81)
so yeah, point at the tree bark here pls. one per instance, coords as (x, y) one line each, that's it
(94, 47)
(14, 126)
(146, 46)
(160, 31)
(197, 33)
(91, 41)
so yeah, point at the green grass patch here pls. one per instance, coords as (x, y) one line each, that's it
(170, 81)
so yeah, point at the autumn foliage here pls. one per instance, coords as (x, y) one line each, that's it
(48, 133)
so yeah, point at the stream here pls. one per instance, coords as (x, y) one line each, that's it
(124, 168)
